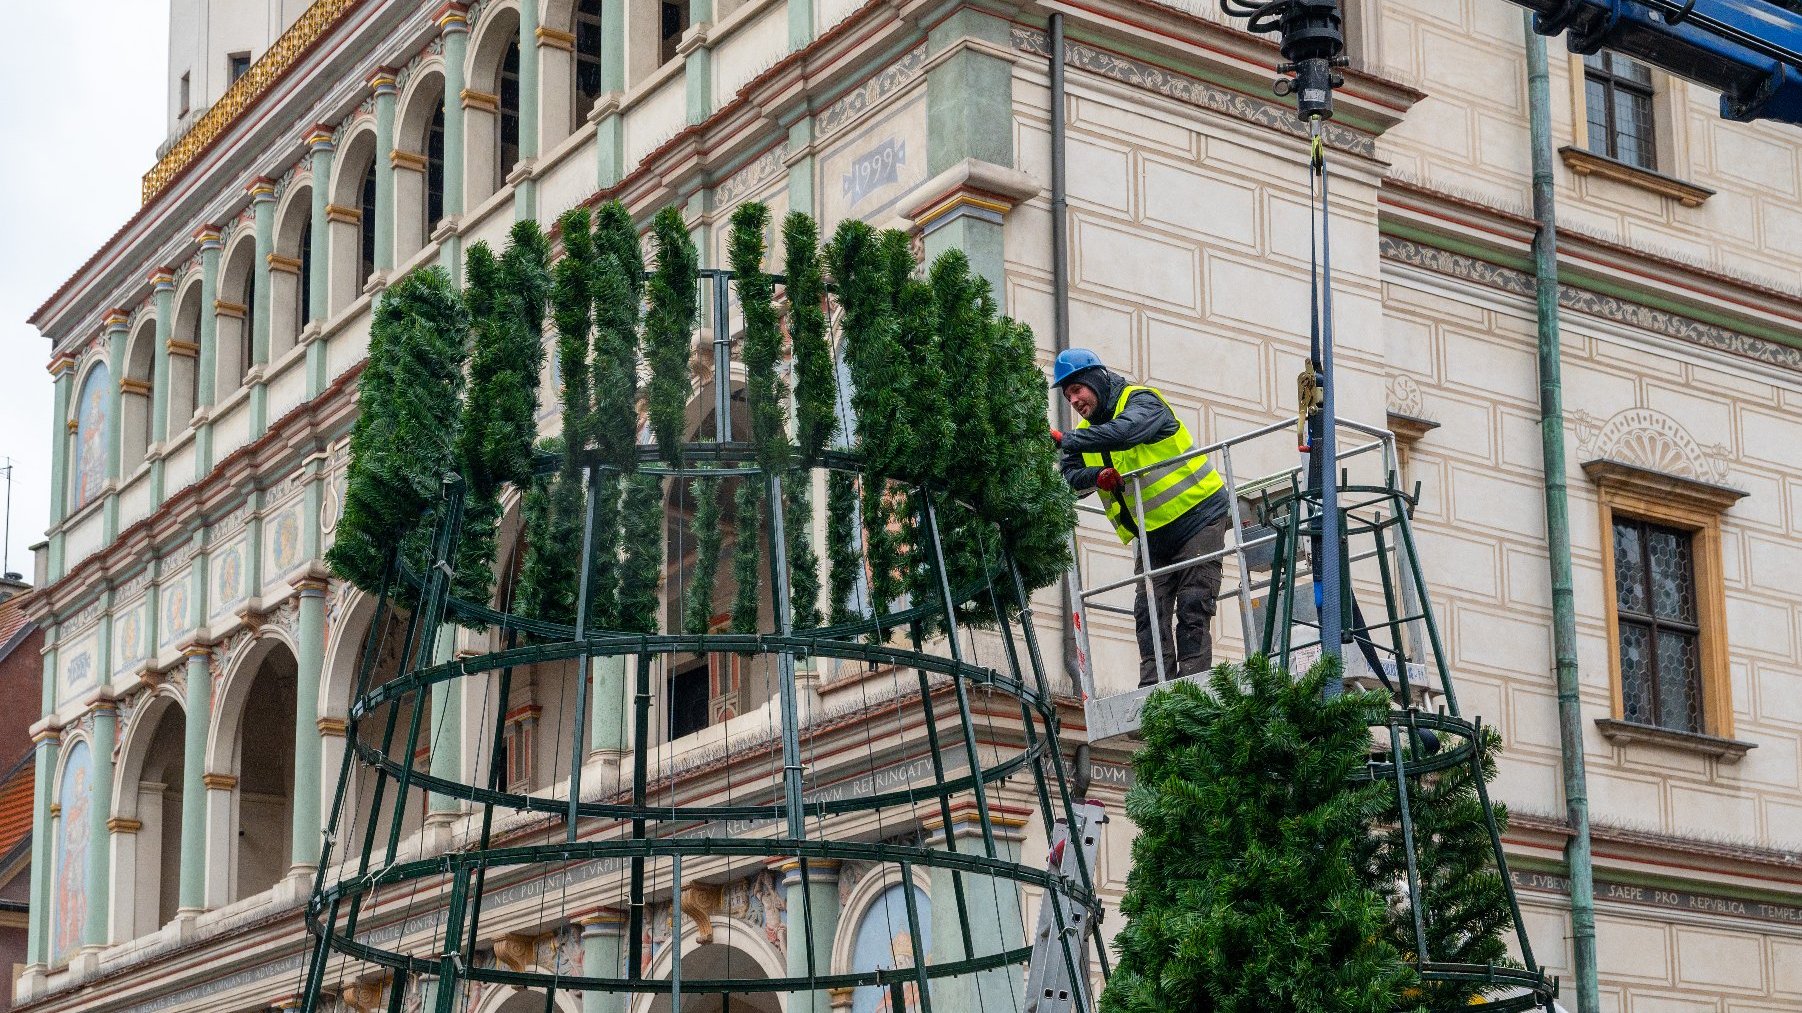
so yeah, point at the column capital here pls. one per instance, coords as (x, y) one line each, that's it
(309, 585)
(48, 729)
(162, 279)
(124, 825)
(116, 319)
(219, 782)
(333, 726)
(607, 921)
(385, 81)
(819, 870)
(196, 649)
(1008, 823)
(452, 17)
(101, 699)
(261, 189)
(209, 238)
(318, 138)
(60, 365)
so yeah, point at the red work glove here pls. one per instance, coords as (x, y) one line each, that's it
(1108, 480)
(1057, 437)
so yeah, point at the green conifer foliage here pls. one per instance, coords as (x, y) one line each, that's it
(697, 605)
(1245, 893)
(618, 286)
(862, 272)
(816, 416)
(803, 563)
(572, 310)
(670, 329)
(1461, 892)
(401, 443)
(747, 552)
(553, 524)
(763, 337)
(1026, 496)
(842, 561)
(641, 567)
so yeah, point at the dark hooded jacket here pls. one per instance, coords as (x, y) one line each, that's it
(1144, 419)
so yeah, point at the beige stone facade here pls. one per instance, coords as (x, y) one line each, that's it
(182, 568)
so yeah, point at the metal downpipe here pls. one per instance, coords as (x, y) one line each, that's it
(1557, 518)
(1060, 298)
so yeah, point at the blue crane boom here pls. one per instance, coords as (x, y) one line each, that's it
(1748, 50)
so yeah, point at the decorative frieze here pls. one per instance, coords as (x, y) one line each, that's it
(873, 91)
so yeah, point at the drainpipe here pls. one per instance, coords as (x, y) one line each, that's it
(1060, 297)
(1557, 529)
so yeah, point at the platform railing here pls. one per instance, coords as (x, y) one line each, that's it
(1356, 441)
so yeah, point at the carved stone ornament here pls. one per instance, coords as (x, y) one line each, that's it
(700, 903)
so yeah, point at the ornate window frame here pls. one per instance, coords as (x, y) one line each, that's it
(1696, 507)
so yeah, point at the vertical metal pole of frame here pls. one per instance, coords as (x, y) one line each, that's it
(450, 955)
(1415, 900)
(322, 948)
(963, 695)
(675, 936)
(1478, 748)
(1246, 628)
(1049, 716)
(913, 934)
(431, 606)
(578, 746)
(791, 719)
(1426, 614)
(1147, 586)
(722, 356)
(641, 716)
(397, 991)
(1395, 613)
(1332, 552)
(1038, 778)
(497, 781)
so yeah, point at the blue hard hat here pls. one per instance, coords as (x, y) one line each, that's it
(1070, 362)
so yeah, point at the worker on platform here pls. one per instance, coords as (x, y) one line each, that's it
(1126, 427)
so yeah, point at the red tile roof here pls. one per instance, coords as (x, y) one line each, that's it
(15, 804)
(12, 617)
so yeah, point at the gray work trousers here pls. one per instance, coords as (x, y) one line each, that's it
(1186, 601)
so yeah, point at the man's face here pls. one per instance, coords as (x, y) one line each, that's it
(1082, 399)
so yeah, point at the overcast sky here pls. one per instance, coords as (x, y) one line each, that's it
(85, 84)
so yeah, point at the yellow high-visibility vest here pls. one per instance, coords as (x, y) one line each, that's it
(1168, 492)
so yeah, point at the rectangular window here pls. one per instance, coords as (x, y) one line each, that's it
(588, 56)
(689, 700)
(673, 24)
(1658, 633)
(185, 98)
(236, 65)
(1618, 102)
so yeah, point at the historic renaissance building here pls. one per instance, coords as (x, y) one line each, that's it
(199, 657)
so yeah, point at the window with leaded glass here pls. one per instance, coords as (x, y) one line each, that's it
(366, 227)
(588, 56)
(507, 123)
(1660, 635)
(1618, 99)
(434, 170)
(303, 306)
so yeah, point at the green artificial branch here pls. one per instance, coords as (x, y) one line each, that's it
(572, 310)
(670, 329)
(763, 337)
(617, 284)
(404, 440)
(641, 566)
(1246, 892)
(697, 606)
(842, 560)
(816, 416)
(803, 564)
(747, 552)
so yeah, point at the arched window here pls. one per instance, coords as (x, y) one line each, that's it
(588, 56)
(135, 398)
(247, 297)
(265, 767)
(366, 227)
(507, 123)
(434, 171)
(303, 305)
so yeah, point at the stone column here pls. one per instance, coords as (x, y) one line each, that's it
(116, 320)
(607, 712)
(100, 810)
(610, 126)
(453, 23)
(994, 907)
(210, 248)
(968, 92)
(525, 186)
(447, 726)
(383, 82)
(602, 933)
(697, 71)
(307, 775)
(162, 283)
(818, 898)
(193, 898)
(319, 294)
(262, 206)
(63, 426)
(46, 737)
